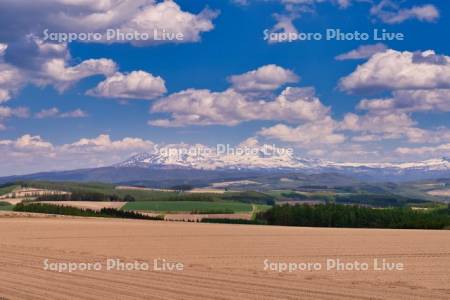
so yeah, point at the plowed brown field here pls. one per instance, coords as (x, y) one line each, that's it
(220, 261)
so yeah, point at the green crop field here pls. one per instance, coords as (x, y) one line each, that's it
(6, 206)
(260, 208)
(188, 206)
(148, 194)
(109, 189)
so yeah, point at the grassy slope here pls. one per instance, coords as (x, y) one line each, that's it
(408, 190)
(6, 206)
(143, 195)
(7, 189)
(103, 188)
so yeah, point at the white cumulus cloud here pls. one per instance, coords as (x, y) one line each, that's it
(265, 78)
(410, 101)
(203, 107)
(394, 70)
(33, 153)
(9, 112)
(44, 64)
(311, 134)
(135, 85)
(128, 16)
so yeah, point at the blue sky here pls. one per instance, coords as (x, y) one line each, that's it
(56, 114)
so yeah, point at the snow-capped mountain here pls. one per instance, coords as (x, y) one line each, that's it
(441, 164)
(264, 157)
(268, 157)
(167, 168)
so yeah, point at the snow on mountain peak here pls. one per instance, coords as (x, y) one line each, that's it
(257, 157)
(221, 157)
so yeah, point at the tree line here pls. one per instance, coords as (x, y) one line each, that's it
(335, 215)
(86, 196)
(74, 211)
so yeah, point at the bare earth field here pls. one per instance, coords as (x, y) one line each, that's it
(198, 217)
(206, 190)
(193, 191)
(220, 261)
(441, 193)
(12, 201)
(136, 188)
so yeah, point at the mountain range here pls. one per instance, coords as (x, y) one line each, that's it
(275, 160)
(179, 165)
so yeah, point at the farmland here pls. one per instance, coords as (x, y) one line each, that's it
(7, 189)
(187, 206)
(220, 261)
(379, 194)
(186, 203)
(6, 206)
